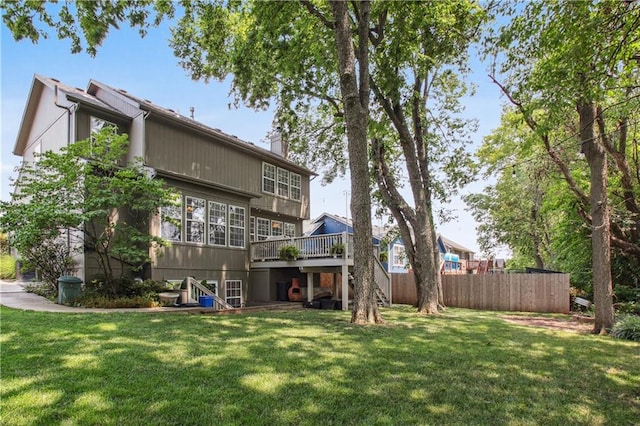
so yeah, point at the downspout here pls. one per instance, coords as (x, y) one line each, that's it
(70, 110)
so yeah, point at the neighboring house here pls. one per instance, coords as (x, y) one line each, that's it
(454, 257)
(231, 192)
(333, 224)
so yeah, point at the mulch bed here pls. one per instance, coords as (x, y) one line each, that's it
(576, 324)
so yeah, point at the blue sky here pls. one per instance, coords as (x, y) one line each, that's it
(147, 68)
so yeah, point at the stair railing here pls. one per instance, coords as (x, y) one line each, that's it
(195, 290)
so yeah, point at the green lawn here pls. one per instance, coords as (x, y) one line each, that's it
(309, 367)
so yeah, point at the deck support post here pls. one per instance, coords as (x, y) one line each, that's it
(309, 286)
(345, 286)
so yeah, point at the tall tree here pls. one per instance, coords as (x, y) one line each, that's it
(83, 197)
(563, 62)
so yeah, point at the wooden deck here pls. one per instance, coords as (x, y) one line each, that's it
(317, 255)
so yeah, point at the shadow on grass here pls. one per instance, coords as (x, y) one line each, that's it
(309, 367)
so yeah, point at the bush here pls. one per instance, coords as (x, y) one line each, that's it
(92, 301)
(130, 294)
(627, 308)
(7, 267)
(627, 327)
(624, 293)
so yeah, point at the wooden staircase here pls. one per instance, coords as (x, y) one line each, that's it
(380, 275)
(196, 290)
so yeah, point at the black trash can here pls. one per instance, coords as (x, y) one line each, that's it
(69, 289)
(327, 304)
(283, 288)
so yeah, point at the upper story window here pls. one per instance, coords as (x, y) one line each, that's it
(281, 182)
(98, 124)
(268, 178)
(295, 186)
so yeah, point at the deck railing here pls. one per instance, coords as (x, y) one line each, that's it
(312, 247)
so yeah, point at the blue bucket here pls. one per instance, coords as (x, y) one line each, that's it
(206, 301)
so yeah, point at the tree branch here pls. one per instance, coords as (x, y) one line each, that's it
(318, 14)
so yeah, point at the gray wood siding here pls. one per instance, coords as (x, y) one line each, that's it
(49, 127)
(187, 152)
(202, 260)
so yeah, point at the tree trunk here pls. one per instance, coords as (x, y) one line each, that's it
(355, 99)
(427, 267)
(600, 223)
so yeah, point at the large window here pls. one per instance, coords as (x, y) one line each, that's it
(171, 221)
(236, 226)
(195, 214)
(269, 178)
(97, 124)
(217, 223)
(264, 228)
(233, 293)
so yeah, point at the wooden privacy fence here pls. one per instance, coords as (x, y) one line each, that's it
(495, 292)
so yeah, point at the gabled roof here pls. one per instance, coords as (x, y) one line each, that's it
(451, 244)
(64, 96)
(166, 113)
(379, 232)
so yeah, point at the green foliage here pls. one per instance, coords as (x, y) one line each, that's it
(4, 244)
(124, 287)
(624, 293)
(129, 293)
(289, 252)
(337, 249)
(627, 327)
(84, 197)
(104, 302)
(74, 20)
(7, 267)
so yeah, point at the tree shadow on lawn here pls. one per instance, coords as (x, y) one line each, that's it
(309, 367)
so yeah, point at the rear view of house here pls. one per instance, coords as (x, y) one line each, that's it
(231, 192)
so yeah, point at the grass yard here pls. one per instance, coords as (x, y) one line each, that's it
(309, 367)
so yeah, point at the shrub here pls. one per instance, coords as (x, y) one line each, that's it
(627, 327)
(624, 293)
(627, 308)
(7, 267)
(93, 301)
